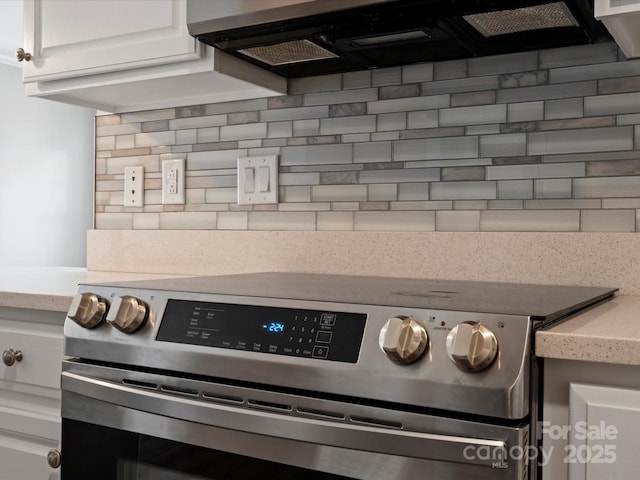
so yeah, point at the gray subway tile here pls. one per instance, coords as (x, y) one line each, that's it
(578, 55)
(359, 79)
(435, 148)
(419, 72)
(546, 92)
(321, 83)
(515, 189)
(295, 194)
(530, 221)
(391, 121)
(198, 122)
(317, 154)
(555, 170)
(458, 221)
(399, 91)
(284, 101)
(413, 191)
(512, 62)
(372, 152)
(564, 108)
(466, 99)
(614, 168)
(280, 129)
(243, 132)
(471, 204)
(343, 96)
(232, 221)
(612, 104)
(240, 106)
(335, 221)
(386, 76)
(553, 188)
(308, 178)
(594, 72)
(525, 111)
(450, 70)
(619, 85)
(606, 187)
(400, 175)
(383, 192)
(590, 157)
(344, 125)
(347, 109)
(582, 140)
(608, 221)
(524, 79)
(394, 221)
(214, 159)
(505, 204)
(282, 221)
(422, 119)
(302, 113)
(461, 85)
(304, 128)
(484, 190)
(561, 204)
(188, 220)
(451, 117)
(221, 195)
(408, 104)
(462, 173)
(503, 145)
(421, 205)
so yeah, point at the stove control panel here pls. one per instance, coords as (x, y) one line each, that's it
(314, 334)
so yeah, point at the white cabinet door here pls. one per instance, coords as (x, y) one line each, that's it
(604, 441)
(70, 38)
(30, 394)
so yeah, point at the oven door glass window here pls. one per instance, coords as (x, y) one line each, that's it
(102, 453)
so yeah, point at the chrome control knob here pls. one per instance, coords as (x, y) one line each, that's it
(127, 314)
(471, 346)
(403, 339)
(87, 310)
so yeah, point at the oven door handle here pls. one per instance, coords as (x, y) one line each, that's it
(337, 434)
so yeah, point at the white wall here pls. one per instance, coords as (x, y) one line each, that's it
(46, 178)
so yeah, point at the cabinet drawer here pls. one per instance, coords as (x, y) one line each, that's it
(42, 350)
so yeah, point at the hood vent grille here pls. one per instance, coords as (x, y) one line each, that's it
(288, 52)
(537, 17)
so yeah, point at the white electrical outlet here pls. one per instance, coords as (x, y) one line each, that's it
(134, 186)
(173, 182)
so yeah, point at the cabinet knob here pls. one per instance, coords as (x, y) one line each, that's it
(22, 55)
(11, 356)
(54, 458)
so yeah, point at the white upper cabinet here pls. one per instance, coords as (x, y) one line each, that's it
(622, 19)
(130, 55)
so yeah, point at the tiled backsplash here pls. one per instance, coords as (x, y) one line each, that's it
(536, 141)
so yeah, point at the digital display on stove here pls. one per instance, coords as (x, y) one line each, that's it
(315, 334)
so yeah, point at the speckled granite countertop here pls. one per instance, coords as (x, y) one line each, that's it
(52, 288)
(608, 333)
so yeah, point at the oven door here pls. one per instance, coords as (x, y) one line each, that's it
(125, 425)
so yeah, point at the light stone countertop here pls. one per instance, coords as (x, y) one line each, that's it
(608, 333)
(52, 288)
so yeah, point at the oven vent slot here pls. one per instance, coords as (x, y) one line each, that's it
(138, 384)
(179, 391)
(321, 413)
(221, 398)
(280, 407)
(375, 422)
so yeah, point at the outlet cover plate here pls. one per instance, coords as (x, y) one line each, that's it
(134, 186)
(258, 180)
(173, 185)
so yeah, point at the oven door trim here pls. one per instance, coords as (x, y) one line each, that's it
(357, 437)
(97, 395)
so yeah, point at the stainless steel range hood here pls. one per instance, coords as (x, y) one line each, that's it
(298, 38)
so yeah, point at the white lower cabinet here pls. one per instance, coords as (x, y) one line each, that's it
(30, 393)
(591, 420)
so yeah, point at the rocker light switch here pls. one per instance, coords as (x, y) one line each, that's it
(257, 180)
(249, 184)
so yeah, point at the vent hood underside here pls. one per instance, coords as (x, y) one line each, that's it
(392, 32)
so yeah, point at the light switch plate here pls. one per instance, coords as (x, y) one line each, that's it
(257, 180)
(134, 186)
